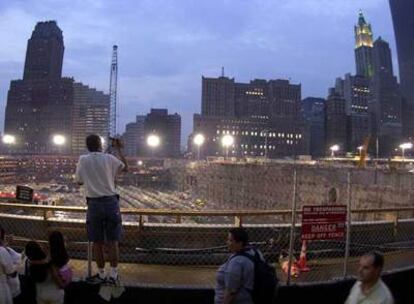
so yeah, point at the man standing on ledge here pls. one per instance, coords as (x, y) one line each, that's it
(370, 288)
(97, 171)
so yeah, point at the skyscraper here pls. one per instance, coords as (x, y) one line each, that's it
(168, 128)
(44, 104)
(402, 14)
(134, 137)
(336, 121)
(355, 91)
(263, 116)
(90, 115)
(218, 96)
(44, 54)
(37, 110)
(313, 110)
(385, 99)
(363, 47)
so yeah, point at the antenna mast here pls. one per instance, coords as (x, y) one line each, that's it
(113, 83)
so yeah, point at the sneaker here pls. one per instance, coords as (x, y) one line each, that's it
(96, 279)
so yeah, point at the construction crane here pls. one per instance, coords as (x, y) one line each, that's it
(113, 83)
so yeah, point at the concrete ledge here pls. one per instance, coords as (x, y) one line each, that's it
(400, 284)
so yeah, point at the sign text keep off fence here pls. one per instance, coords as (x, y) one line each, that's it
(323, 222)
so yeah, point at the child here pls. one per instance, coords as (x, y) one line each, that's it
(59, 259)
(40, 272)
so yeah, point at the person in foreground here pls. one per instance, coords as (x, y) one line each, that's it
(370, 288)
(245, 278)
(97, 171)
(7, 271)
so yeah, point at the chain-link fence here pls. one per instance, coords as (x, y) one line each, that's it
(178, 237)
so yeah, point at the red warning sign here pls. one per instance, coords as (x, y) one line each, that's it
(323, 222)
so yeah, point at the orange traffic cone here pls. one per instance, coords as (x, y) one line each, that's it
(302, 264)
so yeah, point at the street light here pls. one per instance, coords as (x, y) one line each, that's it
(333, 149)
(405, 146)
(199, 141)
(9, 139)
(360, 150)
(153, 141)
(227, 141)
(59, 140)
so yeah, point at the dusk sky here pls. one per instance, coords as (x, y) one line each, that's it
(166, 46)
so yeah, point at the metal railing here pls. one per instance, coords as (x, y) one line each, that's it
(202, 247)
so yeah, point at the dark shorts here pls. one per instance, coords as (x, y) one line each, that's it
(103, 219)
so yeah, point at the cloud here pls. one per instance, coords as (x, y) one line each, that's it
(165, 46)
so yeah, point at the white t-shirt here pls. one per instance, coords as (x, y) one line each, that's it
(6, 267)
(378, 294)
(97, 172)
(14, 282)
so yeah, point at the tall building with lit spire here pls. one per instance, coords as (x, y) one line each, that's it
(364, 43)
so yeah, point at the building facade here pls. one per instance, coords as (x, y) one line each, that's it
(252, 137)
(385, 100)
(313, 110)
(263, 117)
(168, 128)
(335, 121)
(402, 16)
(218, 97)
(355, 91)
(134, 137)
(44, 54)
(90, 115)
(37, 110)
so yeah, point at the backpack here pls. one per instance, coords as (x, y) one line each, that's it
(265, 279)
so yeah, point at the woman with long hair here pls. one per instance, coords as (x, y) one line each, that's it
(59, 259)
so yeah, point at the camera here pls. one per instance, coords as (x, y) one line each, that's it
(116, 142)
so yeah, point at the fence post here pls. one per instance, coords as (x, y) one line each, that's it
(395, 232)
(140, 221)
(348, 224)
(238, 221)
(292, 229)
(89, 269)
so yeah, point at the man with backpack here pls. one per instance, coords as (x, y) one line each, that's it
(245, 278)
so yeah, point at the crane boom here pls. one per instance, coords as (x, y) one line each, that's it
(113, 83)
